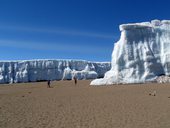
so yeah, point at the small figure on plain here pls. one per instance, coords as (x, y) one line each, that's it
(153, 93)
(48, 84)
(75, 80)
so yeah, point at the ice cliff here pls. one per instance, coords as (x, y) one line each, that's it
(141, 55)
(40, 70)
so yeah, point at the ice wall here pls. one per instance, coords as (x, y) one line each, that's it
(40, 70)
(141, 54)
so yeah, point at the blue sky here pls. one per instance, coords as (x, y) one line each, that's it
(69, 29)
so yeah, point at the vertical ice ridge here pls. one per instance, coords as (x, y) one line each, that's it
(40, 70)
(141, 54)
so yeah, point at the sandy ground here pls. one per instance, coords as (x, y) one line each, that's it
(32, 105)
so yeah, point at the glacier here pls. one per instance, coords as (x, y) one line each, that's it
(141, 55)
(42, 70)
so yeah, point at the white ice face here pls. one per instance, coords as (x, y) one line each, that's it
(39, 70)
(141, 54)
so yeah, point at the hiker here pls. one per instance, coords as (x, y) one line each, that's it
(48, 84)
(75, 80)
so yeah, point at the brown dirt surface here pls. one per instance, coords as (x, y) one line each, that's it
(33, 105)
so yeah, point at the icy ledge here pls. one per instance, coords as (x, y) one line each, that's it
(141, 55)
(40, 70)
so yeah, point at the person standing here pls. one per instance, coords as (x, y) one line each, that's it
(48, 84)
(75, 80)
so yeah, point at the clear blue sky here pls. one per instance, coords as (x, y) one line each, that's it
(69, 29)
